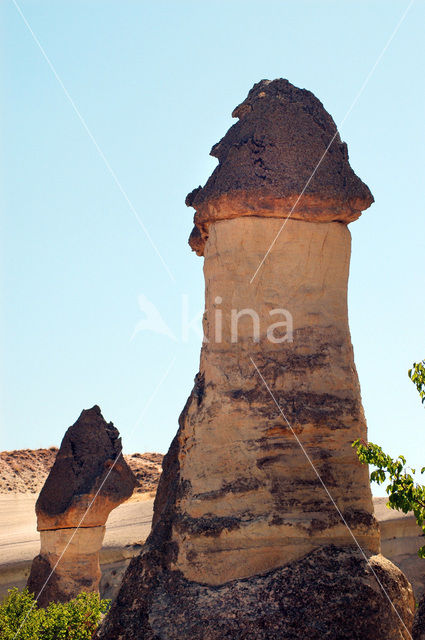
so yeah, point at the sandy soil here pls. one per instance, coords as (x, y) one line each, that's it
(25, 470)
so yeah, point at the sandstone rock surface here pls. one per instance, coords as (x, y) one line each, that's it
(262, 499)
(252, 502)
(88, 479)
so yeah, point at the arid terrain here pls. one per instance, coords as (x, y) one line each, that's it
(25, 470)
(22, 475)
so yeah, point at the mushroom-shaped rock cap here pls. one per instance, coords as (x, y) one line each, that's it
(89, 462)
(283, 157)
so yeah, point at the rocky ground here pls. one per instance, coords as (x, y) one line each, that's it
(147, 469)
(23, 473)
(25, 470)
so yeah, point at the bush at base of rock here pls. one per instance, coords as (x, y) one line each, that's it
(22, 619)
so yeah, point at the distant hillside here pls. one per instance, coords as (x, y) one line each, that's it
(147, 469)
(25, 470)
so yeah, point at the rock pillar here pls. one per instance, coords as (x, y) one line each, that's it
(88, 479)
(252, 500)
(263, 523)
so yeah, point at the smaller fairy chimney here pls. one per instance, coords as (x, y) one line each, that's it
(88, 479)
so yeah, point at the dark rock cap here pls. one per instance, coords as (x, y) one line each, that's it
(270, 156)
(87, 452)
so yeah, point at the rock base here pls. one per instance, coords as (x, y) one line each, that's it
(330, 593)
(418, 631)
(73, 557)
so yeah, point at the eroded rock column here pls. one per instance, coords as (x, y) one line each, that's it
(260, 512)
(252, 500)
(88, 479)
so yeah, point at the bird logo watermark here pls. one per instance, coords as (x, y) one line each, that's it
(223, 323)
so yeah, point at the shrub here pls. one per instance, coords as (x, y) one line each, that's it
(404, 494)
(22, 619)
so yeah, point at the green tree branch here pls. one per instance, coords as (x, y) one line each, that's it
(404, 494)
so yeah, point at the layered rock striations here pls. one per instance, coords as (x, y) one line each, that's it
(263, 521)
(88, 479)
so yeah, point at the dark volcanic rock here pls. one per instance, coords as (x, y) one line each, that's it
(331, 593)
(418, 631)
(89, 449)
(282, 133)
(271, 156)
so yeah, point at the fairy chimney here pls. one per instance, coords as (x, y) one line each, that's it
(263, 521)
(88, 479)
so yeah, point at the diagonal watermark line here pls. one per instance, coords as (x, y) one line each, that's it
(328, 494)
(359, 93)
(136, 424)
(94, 141)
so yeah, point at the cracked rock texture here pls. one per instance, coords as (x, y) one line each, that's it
(88, 479)
(257, 506)
(330, 594)
(418, 632)
(271, 156)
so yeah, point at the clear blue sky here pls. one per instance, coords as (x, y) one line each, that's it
(156, 83)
